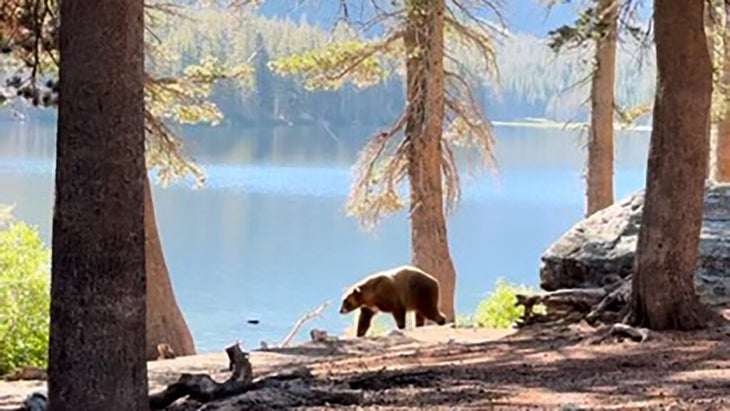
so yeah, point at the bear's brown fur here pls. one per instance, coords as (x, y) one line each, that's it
(395, 291)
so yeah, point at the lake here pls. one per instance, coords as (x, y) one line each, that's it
(267, 237)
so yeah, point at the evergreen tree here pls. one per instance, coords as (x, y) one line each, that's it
(97, 340)
(264, 80)
(440, 112)
(663, 293)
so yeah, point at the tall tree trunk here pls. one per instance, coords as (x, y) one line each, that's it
(165, 322)
(722, 150)
(599, 179)
(97, 336)
(666, 259)
(425, 89)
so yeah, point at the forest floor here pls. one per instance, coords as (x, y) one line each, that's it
(552, 368)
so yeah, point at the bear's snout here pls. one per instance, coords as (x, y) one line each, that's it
(343, 310)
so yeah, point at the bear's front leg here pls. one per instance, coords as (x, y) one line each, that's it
(399, 314)
(363, 321)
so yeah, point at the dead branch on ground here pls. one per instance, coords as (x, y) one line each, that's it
(606, 304)
(313, 314)
(202, 388)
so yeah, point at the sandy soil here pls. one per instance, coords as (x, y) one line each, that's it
(443, 368)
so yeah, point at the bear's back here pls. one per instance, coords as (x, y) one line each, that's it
(408, 284)
(414, 285)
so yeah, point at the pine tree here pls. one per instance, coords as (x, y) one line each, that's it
(97, 340)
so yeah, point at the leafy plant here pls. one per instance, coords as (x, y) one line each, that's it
(24, 296)
(498, 309)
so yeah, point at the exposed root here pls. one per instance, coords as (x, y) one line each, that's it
(618, 332)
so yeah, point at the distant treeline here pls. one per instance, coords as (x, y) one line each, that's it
(532, 81)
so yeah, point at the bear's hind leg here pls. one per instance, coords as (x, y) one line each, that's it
(420, 320)
(363, 322)
(399, 314)
(435, 315)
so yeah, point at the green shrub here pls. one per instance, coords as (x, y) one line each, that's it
(498, 309)
(24, 296)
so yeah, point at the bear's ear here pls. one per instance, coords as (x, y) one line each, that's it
(357, 291)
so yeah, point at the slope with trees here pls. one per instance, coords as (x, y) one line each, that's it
(533, 82)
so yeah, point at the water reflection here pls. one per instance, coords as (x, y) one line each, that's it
(267, 237)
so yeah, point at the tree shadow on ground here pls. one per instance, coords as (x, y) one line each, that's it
(674, 366)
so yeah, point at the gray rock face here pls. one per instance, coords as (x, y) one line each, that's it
(605, 243)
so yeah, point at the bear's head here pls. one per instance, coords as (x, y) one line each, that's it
(351, 301)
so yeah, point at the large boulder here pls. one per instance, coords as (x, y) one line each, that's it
(604, 244)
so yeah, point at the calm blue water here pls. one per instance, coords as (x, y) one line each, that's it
(267, 237)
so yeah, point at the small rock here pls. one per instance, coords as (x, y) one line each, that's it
(35, 402)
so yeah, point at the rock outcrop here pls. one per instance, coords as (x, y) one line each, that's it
(604, 245)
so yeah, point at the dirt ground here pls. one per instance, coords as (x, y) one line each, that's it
(442, 368)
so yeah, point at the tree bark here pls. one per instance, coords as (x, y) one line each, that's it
(97, 335)
(599, 178)
(663, 295)
(425, 89)
(165, 322)
(722, 150)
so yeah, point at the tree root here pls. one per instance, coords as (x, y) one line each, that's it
(618, 332)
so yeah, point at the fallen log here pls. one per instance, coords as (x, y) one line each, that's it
(202, 388)
(572, 303)
(284, 395)
(606, 304)
(26, 374)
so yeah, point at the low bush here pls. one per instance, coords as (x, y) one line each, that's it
(498, 309)
(24, 295)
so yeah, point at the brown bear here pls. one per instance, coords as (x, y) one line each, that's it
(395, 291)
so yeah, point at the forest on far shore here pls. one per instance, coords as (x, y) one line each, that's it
(532, 81)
